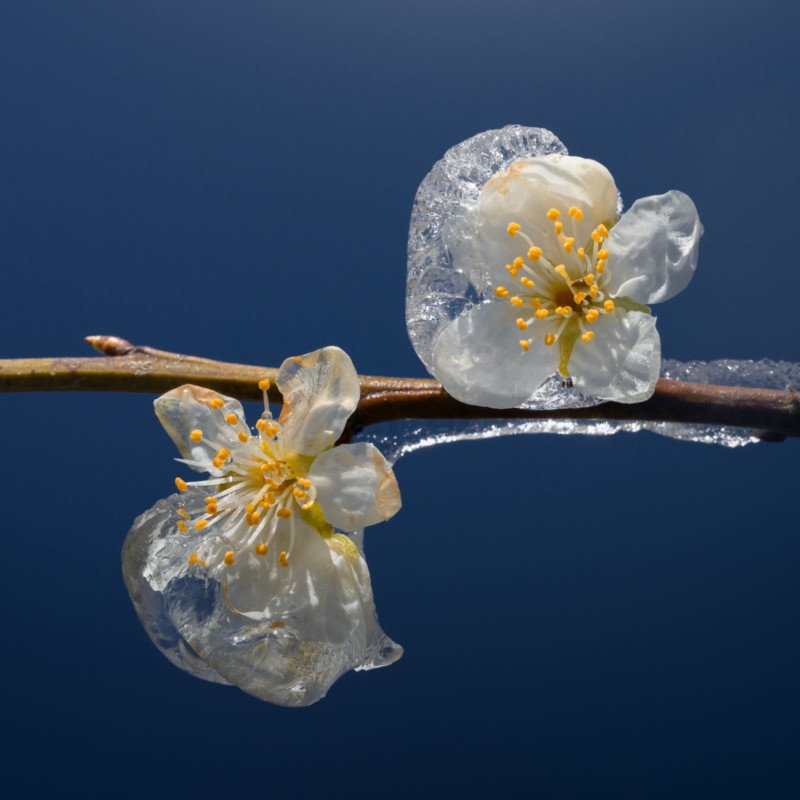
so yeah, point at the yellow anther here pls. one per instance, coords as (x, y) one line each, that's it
(553, 214)
(254, 518)
(608, 306)
(592, 315)
(261, 549)
(593, 290)
(602, 230)
(516, 301)
(210, 499)
(579, 297)
(283, 559)
(559, 226)
(264, 384)
(527, 282)
(576, 213)
(550, 339)
(193, 559)
(298, 493)
(231, 418)
(562, 271)
(535, 253)
(181, 484)
(542, 313)
(182, 512)
(284, 513)
(600, 266)
(581, 253)
(602, 254)
(536, 302)
(182, 527)
(307, 505)
(228, 558)
(216, 402)
(568, 244)
(243, 437)
(212, 509)
(501, 291)
(521, 324)
(588, 336)
(588, 279)
(196, 435)
(512, 228)
(596, 237)
(564, 310)
(261, 424)
(217, 462)
(269, 499)
(512, 270)
(223, 453)
(519, 261)
(525, 344)
(200, 524)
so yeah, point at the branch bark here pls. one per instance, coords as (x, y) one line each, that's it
(125, 367)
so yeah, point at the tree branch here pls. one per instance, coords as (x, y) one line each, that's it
(128, 368)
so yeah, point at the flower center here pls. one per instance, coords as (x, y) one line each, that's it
(560, 293)
(261, 487)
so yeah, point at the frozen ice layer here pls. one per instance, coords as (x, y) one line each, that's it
(317, 622)
(396, 439)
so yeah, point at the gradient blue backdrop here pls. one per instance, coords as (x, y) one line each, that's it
(234, 179)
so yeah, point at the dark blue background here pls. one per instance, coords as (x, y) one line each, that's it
(234, 179)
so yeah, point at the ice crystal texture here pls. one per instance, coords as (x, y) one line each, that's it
(188, 617)
(437, 293)
(399, 438)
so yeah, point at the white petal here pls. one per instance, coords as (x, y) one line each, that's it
(524, 194)
(320, 391)
(185, 409)
(479, 361)
(355, 486)
(623, 360)
(652, 250)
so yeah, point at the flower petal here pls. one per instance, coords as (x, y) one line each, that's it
(524, 194)
(187, 409)
(355, 486)
(622, 361)
(479, 361)
(653, 248)
(320, 391)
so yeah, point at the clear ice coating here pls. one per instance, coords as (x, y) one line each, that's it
(315, 635)
(437, 293)
(396, 439)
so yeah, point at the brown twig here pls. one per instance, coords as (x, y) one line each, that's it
(124, 367)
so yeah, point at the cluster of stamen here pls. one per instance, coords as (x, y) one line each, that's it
(567, 289)
(257, 490)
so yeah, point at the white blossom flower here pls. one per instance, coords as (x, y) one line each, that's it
(291, 605)
(572, 284)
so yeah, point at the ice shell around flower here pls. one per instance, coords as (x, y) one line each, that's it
(242, 578)
(546, 267)
(318, 619)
